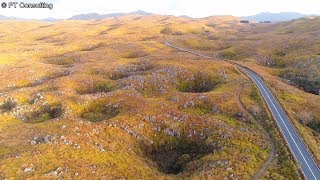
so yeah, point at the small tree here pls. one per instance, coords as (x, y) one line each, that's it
(305, 117)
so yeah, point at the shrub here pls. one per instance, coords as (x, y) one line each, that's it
(133, 54)
(99, 110)
(200, 82)
(169, 31)
(8, 104)
(307, 118)
(89, 87)
(166, 31)
(302, 80)
(61, 60)
(315, 125)
(229, 54)
(48, 87)
(35, 98)
(131, 69)
(57, 74)
(279, 52)
(44, 113)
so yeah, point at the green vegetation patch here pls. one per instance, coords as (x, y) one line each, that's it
(89, 87)
(315, 125)
(44, 113)
(169, 31)
(202, 45)
(199, 106)
(61, 60)
(8, 104)
(99, 110)
(232, 54)
(172, 154)
(199, 83)
(301, 79)
(133, 54)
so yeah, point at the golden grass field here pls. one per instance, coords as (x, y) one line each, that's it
(107, 98)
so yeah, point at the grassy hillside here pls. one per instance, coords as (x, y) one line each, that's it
(287, 56)
(107, 98)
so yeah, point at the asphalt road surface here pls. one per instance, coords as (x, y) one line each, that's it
(300, 152)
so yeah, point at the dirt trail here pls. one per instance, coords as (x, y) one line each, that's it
(272, 153)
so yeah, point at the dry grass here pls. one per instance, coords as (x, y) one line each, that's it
(110, 101)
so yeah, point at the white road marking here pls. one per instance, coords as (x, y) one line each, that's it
(257, 78)
(283, 123)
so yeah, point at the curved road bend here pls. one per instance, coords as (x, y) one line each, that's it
(300, 152)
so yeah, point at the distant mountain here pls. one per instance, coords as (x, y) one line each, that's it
(275, 17)
(186, 17)
(3, 17)
(15, 18)
(9, 18)
(266, 16)
(50, 19)
(92, 16)
(139, 12)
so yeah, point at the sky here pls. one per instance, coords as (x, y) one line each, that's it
(195, 8)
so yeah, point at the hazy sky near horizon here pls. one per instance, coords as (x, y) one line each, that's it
(193, 8)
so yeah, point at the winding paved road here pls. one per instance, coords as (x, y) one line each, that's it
(300, 152)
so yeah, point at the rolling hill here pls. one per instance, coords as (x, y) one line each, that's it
(107, 98)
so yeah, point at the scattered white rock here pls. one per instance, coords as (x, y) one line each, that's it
(29, 169)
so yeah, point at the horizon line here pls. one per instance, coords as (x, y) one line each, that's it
(21, 18)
